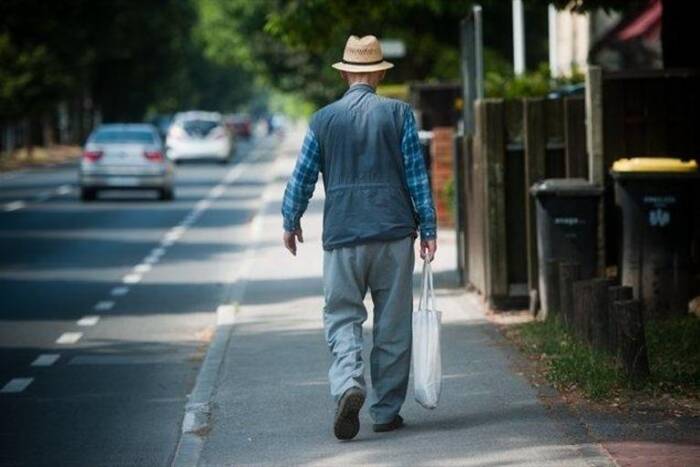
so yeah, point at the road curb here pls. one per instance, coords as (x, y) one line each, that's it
(196, 421)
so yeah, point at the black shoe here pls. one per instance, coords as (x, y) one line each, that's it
(347, 420)
(395, 424)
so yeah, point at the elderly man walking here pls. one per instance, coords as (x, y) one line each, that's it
(377, 195)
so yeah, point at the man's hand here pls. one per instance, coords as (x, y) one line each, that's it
(427, 249)
(290, 240)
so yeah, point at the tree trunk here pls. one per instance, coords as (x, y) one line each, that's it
(679, 34)
(47, 129)
(28, 138)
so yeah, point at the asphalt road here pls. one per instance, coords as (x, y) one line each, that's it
(106, 308)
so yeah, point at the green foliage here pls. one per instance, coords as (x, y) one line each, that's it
(533, 84)
(672, 346)
(674, 351)
(571, 363)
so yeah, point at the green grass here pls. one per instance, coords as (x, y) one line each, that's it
(673, 349)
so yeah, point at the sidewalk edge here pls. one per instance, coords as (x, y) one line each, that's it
(196, 421)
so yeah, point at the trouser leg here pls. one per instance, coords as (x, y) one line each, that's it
(344, 287)
(390, 280)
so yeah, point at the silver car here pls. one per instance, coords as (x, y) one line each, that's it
(125, 156)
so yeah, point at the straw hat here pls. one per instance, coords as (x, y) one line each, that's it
(362, 55)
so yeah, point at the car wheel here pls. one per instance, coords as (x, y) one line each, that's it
(88, 194)
(166, 194)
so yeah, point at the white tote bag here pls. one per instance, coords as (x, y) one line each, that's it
(427, 364)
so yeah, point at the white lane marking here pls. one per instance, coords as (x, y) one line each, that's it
(202, 205)
(17, 385)
(131, 279)
(225, 314)
(119, 291)
(160, 251)
(104, 305)
(150, 260)
(46, 359)
(142, 268)
(63, 189)
(217, 191)
(172, 237)
(69, 338)
(14, 206)
(166, 242)
(90, 320)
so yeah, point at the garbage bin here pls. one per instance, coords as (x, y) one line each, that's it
(567, 230)
(655, 197)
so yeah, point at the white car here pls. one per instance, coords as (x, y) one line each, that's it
(125, 156)
(199, 136)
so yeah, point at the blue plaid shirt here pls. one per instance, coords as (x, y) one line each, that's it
(301, 186)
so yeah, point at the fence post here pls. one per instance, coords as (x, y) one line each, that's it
(631, 340)
(598, 319)
(493, 147)
(582, 295)
(615, 293)
(575, 138)
(535, 152)
(568, 274)
(594, 143)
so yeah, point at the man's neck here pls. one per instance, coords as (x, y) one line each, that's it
(357, 83)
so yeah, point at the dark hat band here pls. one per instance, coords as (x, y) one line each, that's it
(347, 62)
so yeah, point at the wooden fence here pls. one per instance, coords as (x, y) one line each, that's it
(516, 143)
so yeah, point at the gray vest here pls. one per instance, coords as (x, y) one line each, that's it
(367, 198)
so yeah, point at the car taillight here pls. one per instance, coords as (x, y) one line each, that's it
(92, 156)
(155, 156)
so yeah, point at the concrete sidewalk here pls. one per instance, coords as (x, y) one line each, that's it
(271, 405)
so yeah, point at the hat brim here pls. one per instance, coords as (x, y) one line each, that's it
(342, 66)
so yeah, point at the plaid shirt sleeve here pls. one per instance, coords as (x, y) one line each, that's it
(417, 178)
(301, 186)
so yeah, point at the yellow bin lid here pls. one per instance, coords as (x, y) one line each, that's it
(654, 164)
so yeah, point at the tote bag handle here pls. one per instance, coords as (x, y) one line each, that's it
(427, 296)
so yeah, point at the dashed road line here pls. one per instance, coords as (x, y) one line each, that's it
(89, 320)
(46, 359)
(64, 189)
(69, 338)
(14, 206)
(17, 385)
(142, 268)
(132, 279)
(119, 291)
(104, 305)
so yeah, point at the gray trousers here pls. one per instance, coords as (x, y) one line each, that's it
(386, 269)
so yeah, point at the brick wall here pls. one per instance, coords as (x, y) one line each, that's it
(441, 172)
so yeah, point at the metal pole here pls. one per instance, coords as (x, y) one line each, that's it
(553, 55)
(478, 52)
(518, 38)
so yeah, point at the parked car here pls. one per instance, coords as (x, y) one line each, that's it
(240, 124)
(199, 136)
(125, 156)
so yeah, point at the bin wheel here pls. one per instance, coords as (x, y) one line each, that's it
(88, 194)
(166, 194)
